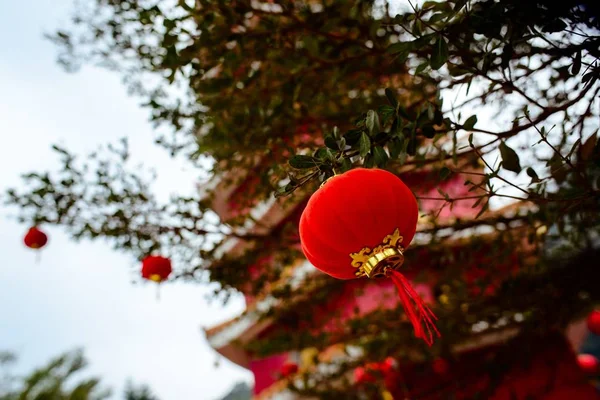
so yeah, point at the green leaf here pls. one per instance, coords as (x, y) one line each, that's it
(445, 173)
(324, 154)
(336, 133)
(440, 54)
(587, 149)
(365, 144)
(345, 165)
(587, 77)
(554, 26)
(533, 175)
(386, 112)
(302, 162)
(510, 159)
(400, 47)
(395, 147)
(573, 148)
(369, 161)
(471, 140)
(331, 142)
(372, 122)
(428, 131)
(353, 136)
(380, 156)
(421, 67)
(470, 122)
(576, 67)
(391, 96)
(285, 190)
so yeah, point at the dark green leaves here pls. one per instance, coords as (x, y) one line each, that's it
(303, 162)
(445, 173)
(372, 122)
(470, 122)
(380, 156)
(391, 96)
(439, 56)
(510, 159)
(576, 67)
(533, 175)
(331, 142)
(365, 144)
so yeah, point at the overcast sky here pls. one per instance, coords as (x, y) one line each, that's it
(80, 294)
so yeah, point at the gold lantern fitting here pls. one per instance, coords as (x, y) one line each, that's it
(378, 262)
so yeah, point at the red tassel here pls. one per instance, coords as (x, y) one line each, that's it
(421, 317)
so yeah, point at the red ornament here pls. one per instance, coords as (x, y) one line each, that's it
(588, 363)
(288, 369)
(156, 268)
(35, 238)
(369, 372)
(440, 366)
(593, 322)
(358, 225)
(361, 376)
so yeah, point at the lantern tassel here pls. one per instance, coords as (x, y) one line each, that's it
(419, 314)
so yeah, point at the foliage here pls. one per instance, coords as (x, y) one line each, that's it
(60, 379)
(499, 94)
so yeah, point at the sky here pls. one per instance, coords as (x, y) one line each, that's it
(81, 295)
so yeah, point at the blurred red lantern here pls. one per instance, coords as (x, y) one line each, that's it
(593, 322)
(370, 371)
(358, 224)
(440, 366)
(588, 363)
(156, 268)
(361, 376)
(288, 369)
(35, 238)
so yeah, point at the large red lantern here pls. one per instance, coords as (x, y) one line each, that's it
(156, 268)
(358, 224)
(593, 322)
(35, 238)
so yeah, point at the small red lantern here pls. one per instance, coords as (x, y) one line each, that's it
(440, 366)
(35, 238)
(361, 376)
(593, 322)
(588, 363)
(368, 373)
(358, 224)
(156, 268)
(288, 369)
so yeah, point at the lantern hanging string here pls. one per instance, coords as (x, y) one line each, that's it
(419, 314)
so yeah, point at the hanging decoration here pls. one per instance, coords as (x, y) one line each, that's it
(440, 366)
(593, 322)
(35, 238)
(156, 268)
(358, 224)
(289, 368)
(588, 363)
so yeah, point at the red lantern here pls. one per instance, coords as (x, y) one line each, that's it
(588, 363)
(593, 322)
(368, 373)
(156, 268)
(358, 224)
(35, 238)
(361, 376)
(440, 366)
(288, 369)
